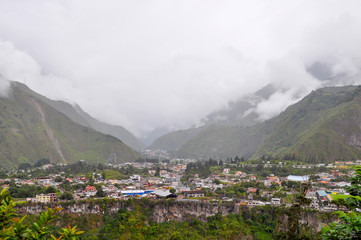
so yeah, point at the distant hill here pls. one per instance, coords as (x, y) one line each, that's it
(173, 141)
(235, 115)
(31, 129)
(322, 127)
(76, 114)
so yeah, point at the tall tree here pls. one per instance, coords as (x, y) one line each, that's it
(350, 226)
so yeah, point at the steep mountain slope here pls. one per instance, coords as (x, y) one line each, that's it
(30, 129)
(323, 127)
(222, 142)
(173, 141)
(76, 114)
(234, 115)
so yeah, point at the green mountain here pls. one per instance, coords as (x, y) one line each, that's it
(322, 127)
(234, 115)
(31, 129)
(173, 141)
(222, 142)
(76, 114)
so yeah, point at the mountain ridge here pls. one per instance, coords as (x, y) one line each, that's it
(77, 114)
(312, 130)
(31, 129)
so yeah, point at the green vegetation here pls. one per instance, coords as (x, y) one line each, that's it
(42, 162)
(135, 220)
(76, 114)
(258, 223)
(112, 174)
(12, 227)
(66, 196)
(173, 141)
(350, 226)
(28, 191)
(30, 130)
(322, 127)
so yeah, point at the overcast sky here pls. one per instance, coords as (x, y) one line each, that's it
(147, 64)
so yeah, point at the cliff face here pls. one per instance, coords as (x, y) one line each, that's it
(180, 211)
(88, 207)
(163, 211)
(308, 219)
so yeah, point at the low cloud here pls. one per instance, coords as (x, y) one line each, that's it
(168, 64)
(4, 87)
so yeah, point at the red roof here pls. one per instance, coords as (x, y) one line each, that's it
(90, 189)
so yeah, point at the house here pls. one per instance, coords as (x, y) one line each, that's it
(43, 198)
(323, 197)
(343, 184)
(252, 190)
(135, 193)
(53, 197)
(276, 201)
(163, 173)
(189, 194)
(34, 200)
(267, 194)
(90, 190)
(226, 170)
(113, 194)
(314, 203)
(255, 203)
(135, 177)
(240, 174)
(297, 178)
(159, 193)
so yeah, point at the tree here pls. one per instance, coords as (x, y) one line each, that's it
(24, 166)
(42, 162)
(172, 190)
(217, 181)
(12, 227)
(66, 196)
(157, 171)
(296, 229)
(100, 192)
(350, 225)
(58, 179)
(50, 190)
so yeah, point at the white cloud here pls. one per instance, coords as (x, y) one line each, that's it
(169, 63)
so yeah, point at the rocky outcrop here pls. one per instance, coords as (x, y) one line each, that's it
(162, 210)
(168, 210)
(180, 211)
(311, 219)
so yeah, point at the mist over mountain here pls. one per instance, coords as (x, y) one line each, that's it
(247, 110)
(76, 114)
(322, 127)
(32, 129)
(126, 67)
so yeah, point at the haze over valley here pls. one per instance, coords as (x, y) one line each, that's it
(126, 66)
(178, 120)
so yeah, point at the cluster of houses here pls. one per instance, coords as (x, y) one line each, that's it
(158, 183)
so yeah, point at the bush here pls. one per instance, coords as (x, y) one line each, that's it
(12, 227)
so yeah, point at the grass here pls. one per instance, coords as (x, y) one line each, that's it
(339, 196)
(23, 137)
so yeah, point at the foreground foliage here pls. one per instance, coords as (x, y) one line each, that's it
(350, 225)
(13, 227)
